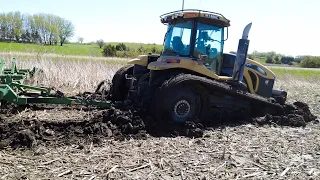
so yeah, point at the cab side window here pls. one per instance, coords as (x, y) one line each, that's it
(178, 39)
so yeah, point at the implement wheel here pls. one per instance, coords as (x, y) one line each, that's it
(119, 89)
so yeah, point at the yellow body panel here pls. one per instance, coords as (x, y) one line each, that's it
(249, 82)
(269, 75)
(186, 63)
(142, 60)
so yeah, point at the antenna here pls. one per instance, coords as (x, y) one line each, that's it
(199, 4)
(182, 4)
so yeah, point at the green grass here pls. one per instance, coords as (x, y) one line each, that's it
(66, 49)
(296, 73)
(86, 49)
(137, 45)
(261, 61)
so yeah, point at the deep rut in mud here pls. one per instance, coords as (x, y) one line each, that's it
(124, 124)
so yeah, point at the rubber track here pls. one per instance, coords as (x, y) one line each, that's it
(212, 86)
(118, 88)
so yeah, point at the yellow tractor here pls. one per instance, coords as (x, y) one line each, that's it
(192, 77)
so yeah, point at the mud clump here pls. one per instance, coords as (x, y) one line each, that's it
(172, 129)
(24, 138)
(297, 114)
(90, 96)
(111, 123)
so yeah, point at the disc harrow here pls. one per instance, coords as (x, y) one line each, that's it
(14, 90)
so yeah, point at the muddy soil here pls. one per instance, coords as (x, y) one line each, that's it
(296, 115)
(123, 124)
(112, 123)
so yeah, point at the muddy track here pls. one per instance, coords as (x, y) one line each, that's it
(125, 124)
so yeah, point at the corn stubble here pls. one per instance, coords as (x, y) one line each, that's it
(226, 152)
(70, 75)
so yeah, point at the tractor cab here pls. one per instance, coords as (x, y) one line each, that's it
(194, 44)
(196, 35)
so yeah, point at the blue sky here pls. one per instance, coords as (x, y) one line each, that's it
(290, 27)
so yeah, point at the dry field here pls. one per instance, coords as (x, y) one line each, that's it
(70, 73)
(242, 151)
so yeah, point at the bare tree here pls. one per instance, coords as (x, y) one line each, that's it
(100, 43)
(80, 39)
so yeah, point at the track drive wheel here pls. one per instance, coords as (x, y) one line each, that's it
(177, 103)
(119, 89)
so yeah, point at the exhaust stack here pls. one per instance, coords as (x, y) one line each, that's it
(240, 62)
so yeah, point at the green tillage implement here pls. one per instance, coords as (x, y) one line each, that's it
(13, 90)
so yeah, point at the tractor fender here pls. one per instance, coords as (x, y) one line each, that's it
(142, 60)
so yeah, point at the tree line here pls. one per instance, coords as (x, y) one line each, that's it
(121, 50)
(41, 28)
(276, 58)
(273, 57)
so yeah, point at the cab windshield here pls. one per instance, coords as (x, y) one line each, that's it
(178, 38)
(209, 42)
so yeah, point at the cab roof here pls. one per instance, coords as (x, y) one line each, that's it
(207, 16)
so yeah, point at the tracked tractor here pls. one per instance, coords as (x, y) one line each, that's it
(193, 77)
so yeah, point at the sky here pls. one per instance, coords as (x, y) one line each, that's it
(289, 27)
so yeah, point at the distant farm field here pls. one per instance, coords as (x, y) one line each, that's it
(283, 73)
(296, 72)
(94, 69)
(86, 49)
(66, 49)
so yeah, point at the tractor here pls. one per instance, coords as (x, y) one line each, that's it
(193, 77)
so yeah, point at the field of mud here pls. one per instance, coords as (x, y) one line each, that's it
(56, 142)
(121, 124)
